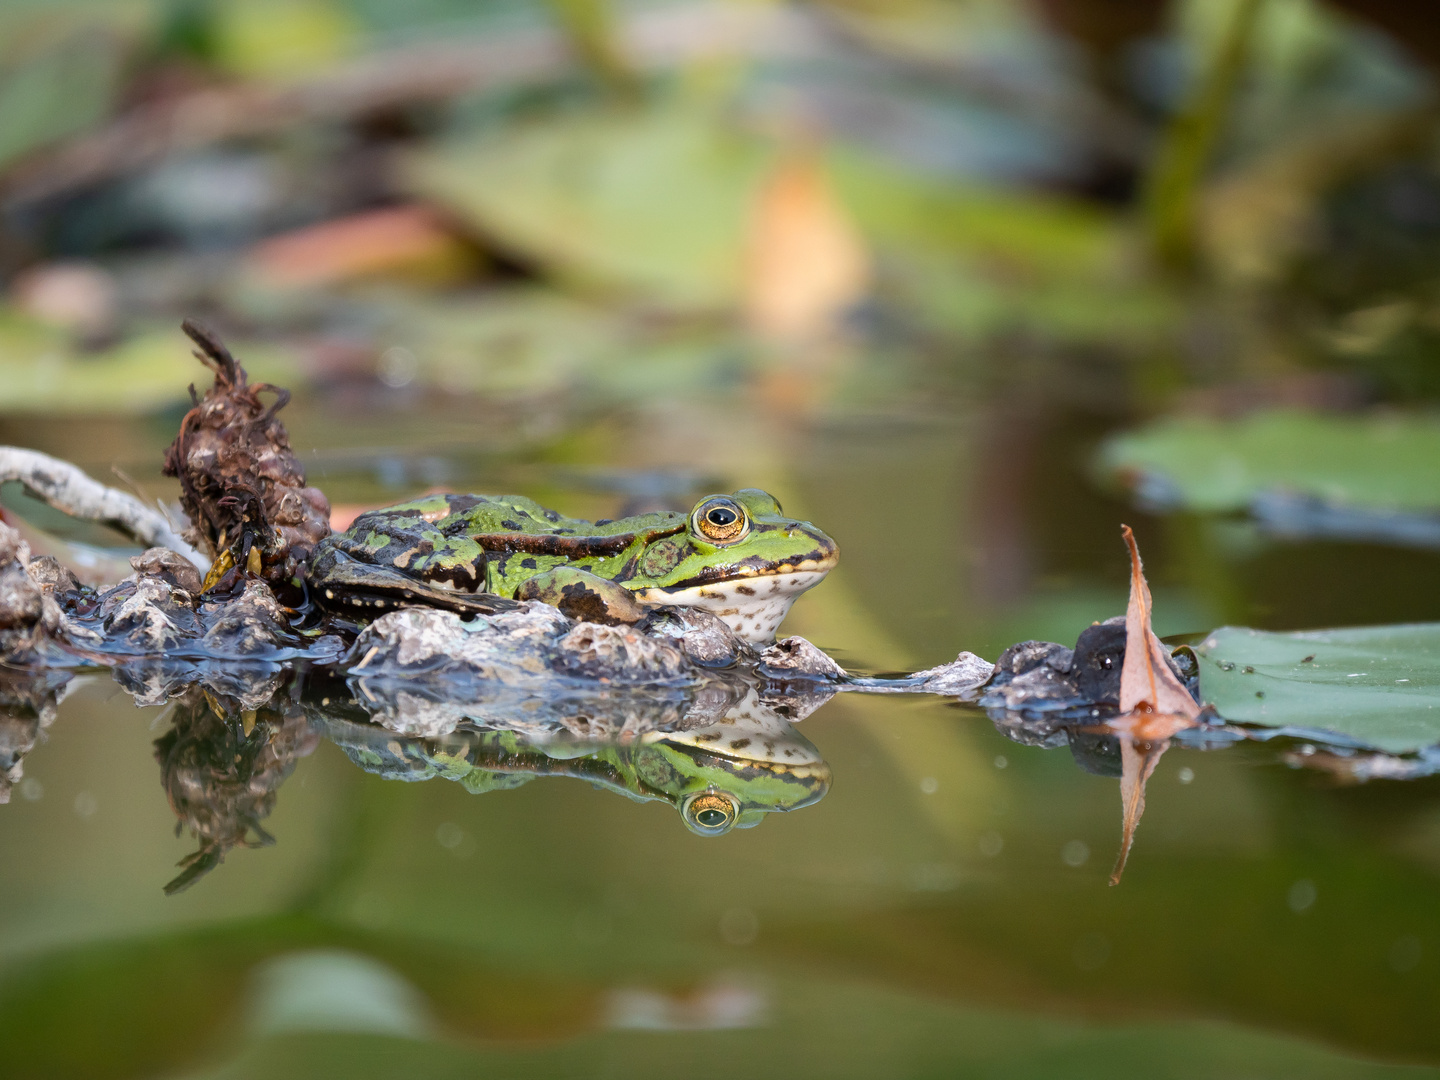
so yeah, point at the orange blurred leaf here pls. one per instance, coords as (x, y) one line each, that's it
(805, 260)
(399, 241)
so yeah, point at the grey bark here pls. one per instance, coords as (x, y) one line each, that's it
(71, 491)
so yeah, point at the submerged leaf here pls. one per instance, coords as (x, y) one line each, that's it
(974, 260)
(405, 242)
(59, 73)
(41, 372)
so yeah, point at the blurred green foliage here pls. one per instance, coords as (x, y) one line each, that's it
(60, 74)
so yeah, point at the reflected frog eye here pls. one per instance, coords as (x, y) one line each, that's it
(721, 520)
(710, 813)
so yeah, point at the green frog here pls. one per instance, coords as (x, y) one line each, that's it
(737, 556)
(727, 774)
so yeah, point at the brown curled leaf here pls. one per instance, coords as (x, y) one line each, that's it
(1154, 704)
(1148, 684)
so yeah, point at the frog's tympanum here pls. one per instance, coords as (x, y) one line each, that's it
(720, 776)
(736, 556)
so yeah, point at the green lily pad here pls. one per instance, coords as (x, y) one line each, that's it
(1377, 685)
(1380, 461)
(649, 202)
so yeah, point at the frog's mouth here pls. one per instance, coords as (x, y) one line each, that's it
(753, 607)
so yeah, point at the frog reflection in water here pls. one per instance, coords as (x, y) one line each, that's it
(222, 762)
(736, 556)
(720, 776)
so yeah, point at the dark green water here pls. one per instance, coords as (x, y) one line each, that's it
(942, 911)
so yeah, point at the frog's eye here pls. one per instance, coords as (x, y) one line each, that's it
(721, 520)
(710, 813)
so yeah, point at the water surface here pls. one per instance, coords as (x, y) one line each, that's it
(942, 909)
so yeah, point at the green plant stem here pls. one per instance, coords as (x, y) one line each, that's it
(1188, 144)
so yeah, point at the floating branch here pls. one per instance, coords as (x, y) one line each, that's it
(68, 489)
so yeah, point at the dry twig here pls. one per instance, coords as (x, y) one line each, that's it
(68, 489)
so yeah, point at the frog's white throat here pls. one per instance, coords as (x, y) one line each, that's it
(753, 607)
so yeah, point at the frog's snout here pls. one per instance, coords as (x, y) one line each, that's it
(827, 552)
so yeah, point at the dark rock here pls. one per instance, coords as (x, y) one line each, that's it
(1096, 752)
(794, 703)
(21, 600)
(1045, 730)
(53, 578)
(794, 656)
(175, 570)
(26, 613)
(620, 654)
(146, 616)
(12, 547)
(1025, 656)
(1039, 687)
(27, 709)
(704, 638)
(529, 647)
(961, 677)
(1099, 656)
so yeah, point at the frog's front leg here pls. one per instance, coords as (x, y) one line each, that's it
(583, 596)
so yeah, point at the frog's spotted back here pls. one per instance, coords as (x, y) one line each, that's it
(736, 555)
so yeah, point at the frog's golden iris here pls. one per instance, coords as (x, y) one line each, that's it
(721, 520)
(710, 812)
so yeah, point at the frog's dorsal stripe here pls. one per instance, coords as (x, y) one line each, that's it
(596, 770)
(569, 547)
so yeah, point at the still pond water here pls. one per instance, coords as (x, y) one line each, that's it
(942, 910)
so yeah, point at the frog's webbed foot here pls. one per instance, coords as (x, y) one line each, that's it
(342, 583)
(583, 596)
